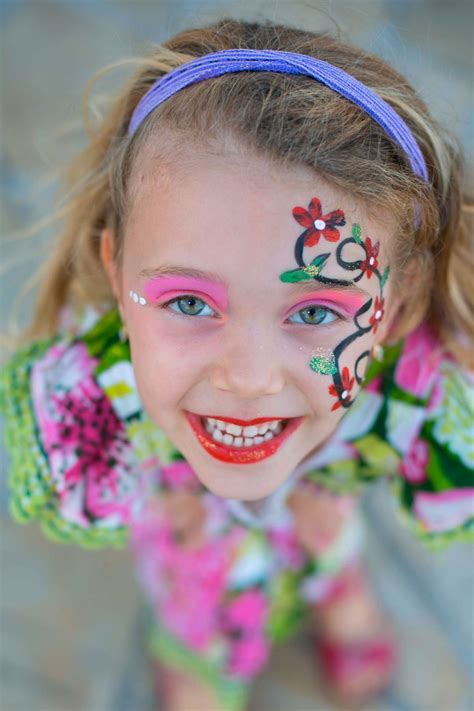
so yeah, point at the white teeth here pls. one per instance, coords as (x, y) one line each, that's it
(251, 431)
(232, 429)
(236, 436)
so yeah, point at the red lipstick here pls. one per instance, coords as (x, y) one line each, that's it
(241, 455)
(244, 423)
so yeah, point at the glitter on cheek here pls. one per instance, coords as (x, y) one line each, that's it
(323, 361)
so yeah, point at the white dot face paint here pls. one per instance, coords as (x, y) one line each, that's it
(378, 315)
(136, 298)
(319, 224)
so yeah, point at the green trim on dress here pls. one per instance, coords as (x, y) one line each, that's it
(166, 648)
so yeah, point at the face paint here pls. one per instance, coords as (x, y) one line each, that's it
(323, 361)
(318, 225)
(163, 285)
(333, 299)
(136, 298)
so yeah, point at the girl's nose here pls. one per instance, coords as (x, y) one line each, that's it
(250, 370)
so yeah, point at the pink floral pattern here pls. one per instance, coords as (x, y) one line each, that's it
(90, 455)
(179, 474)
(413, 467)
(418, 367)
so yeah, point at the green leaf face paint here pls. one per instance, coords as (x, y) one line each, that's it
(307, 272)
(356, 233)
(384, 277)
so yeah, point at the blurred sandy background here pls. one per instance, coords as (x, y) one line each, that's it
(71, 621)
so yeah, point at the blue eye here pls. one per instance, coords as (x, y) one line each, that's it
(315, 316)
(189, 305)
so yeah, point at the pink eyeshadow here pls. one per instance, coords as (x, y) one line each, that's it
(159, 286)
(350, 303)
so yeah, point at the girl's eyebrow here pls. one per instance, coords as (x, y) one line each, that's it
(173, 270)
(300, 287)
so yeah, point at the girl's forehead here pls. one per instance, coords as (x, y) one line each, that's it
(213, 198)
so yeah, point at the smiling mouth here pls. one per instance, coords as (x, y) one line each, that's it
(241, 441)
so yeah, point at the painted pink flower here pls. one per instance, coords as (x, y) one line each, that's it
(88, 425)
(179, 474)
(377, 314)
(248, 656)
(317, 224)
(247, 611)
(342, 391)
(413, 467)
(419, 362)
(370, 264)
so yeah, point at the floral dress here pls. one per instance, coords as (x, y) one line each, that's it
(90, 465)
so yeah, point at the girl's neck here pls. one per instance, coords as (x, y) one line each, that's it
(256, 506)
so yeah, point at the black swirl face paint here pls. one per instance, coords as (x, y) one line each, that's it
(316, 226)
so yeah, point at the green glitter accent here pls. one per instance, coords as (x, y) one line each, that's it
(356, 233)
(323, 365)
(307, 272)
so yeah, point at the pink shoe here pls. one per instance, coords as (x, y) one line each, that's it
(357, 670)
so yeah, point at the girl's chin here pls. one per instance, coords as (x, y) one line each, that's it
(237, 485)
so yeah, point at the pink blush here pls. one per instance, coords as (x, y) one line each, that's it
(159, 286)
(349, 303)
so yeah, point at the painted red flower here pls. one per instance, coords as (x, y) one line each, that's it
(378, 313)
(318, 224)
(342, 392)
(370, 264)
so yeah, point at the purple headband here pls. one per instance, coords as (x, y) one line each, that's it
(267, 60)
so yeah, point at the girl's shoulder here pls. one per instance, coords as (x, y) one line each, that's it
(78, 438)
(412, 421)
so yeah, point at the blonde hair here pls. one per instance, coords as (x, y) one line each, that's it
(294, 120)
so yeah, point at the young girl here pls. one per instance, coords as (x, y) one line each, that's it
(258, 304)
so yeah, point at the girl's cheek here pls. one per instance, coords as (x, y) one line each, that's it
(330, 384)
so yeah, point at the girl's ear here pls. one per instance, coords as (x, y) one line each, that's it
(106, 256)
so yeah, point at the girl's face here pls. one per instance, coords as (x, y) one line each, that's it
(251, 299)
